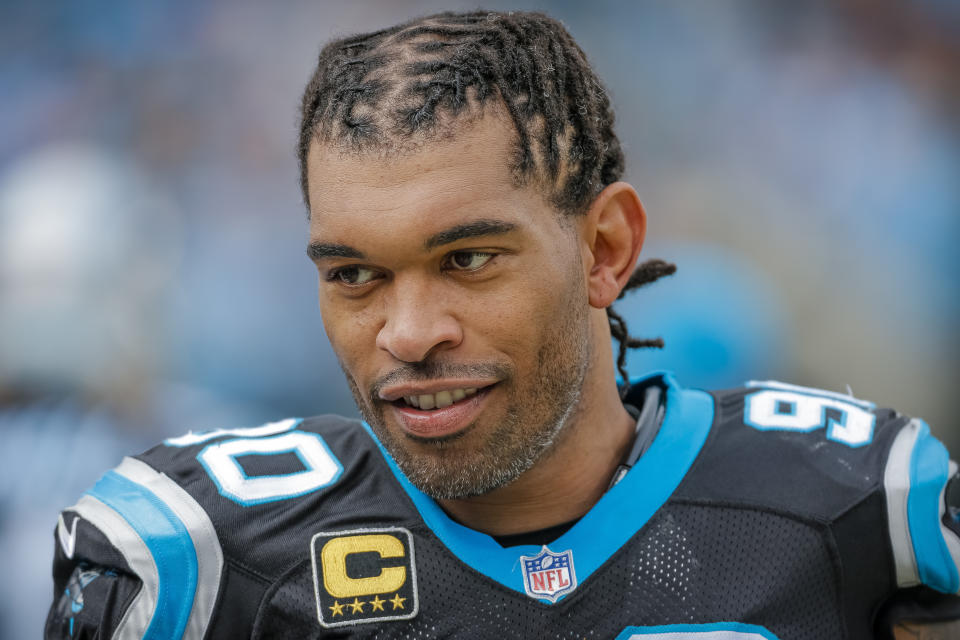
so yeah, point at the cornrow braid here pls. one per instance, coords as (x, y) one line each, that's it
(393, 90)
(647, 272)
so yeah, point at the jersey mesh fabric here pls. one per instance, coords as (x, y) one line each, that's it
(693, 564)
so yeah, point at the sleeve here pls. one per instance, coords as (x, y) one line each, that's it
(924, 531)
(89, 599)
(136, 557)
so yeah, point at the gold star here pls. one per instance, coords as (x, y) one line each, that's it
(337, 608)
(377, 603)
(356, 606)
(397, 601)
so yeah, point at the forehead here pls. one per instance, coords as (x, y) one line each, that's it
(468, 172)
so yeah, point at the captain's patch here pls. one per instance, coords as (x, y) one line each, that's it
(364, 575)
(548, 575)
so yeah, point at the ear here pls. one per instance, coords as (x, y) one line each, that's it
(613, 234)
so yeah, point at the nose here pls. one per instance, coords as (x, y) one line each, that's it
(417, 325)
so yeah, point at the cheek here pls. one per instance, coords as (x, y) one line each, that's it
(350, 332)
(519, 318)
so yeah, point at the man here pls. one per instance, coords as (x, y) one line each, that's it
(470, 232)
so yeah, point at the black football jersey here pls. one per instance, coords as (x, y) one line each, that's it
(760, 513)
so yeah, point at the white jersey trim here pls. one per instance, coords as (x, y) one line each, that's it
(126, 540)
(896, 486)
(202, 533)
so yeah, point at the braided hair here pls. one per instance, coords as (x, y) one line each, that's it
(393, 90)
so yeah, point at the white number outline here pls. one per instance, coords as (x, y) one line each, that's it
(809, 412)
(219, 460)
(321, 467)
(268, 429)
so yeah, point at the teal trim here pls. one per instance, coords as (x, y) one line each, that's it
(616, 517)
(702, 631)
(929, 472)
(169, 543)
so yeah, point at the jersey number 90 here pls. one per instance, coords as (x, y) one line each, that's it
(846, 420)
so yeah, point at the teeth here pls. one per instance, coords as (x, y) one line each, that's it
(440, 399)
(444, 399)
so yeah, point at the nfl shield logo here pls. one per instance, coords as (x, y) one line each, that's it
(548, 575)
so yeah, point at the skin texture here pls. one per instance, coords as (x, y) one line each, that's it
(526, 316)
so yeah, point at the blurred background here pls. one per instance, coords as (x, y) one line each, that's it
(799, 161)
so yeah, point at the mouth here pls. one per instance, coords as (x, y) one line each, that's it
(440, 414)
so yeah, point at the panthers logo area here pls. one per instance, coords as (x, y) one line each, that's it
(364, 575)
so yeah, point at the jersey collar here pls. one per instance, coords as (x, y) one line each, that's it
(616, 517)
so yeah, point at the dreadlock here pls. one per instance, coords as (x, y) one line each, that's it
(647, 272)
(392, 90)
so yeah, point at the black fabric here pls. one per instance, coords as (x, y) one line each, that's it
(864, 581)
(238, 587)
(794, 472)
(93, 588)
(951, 516)
(280, 530)
(260, 465)
(778, 529)
(691, 564)
(91, 602)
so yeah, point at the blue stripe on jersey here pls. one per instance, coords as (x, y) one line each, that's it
(619, 514)
(929, 471)
(732, 631)
(168, 542)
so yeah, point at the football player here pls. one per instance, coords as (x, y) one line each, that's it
(470, 231)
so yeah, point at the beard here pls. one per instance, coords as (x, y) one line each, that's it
(538, 408)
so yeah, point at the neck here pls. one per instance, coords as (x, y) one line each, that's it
(572, 476)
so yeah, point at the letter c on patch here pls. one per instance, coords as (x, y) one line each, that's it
(333, 558)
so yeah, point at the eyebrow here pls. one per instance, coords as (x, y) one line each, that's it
(321, 250)
(473, 229)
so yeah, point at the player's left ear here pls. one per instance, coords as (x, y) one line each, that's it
(613, 233)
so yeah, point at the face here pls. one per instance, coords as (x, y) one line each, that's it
(456, 304)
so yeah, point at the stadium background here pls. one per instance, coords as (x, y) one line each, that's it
(799, 163)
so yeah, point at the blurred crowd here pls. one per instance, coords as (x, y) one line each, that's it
(798, 161)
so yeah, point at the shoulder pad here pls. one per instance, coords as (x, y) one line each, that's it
(798, 450)
(222, 515)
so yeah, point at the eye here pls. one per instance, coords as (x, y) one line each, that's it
(469, 260)
(352, 275)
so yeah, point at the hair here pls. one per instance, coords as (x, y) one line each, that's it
(393, 90)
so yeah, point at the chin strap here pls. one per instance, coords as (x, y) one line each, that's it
(648, 424)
